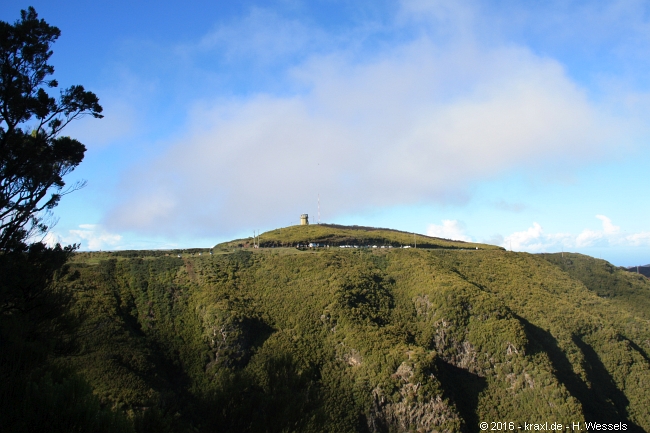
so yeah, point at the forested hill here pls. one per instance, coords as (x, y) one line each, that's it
(642, 269)
(361, 340)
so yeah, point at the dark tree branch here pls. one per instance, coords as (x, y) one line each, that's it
(34, 162)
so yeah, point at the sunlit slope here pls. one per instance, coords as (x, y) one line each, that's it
(359, 340)
(336, 235)
(628, 290)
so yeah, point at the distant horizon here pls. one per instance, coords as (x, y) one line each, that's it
(180, 249)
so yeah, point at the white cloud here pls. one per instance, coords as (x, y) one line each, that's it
(588, 238)
(91, 237)
(610, 234)
(420, 121)
(51, 239)
(638, 239)
(534, 239)
(608, 227)
(413, 125)
(450, 229)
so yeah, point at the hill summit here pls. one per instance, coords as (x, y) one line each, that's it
(334, 235)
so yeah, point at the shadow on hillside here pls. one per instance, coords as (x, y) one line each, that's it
(463, 388)
(280, 395)
(254, 333)
(601, 402)
(637, 348)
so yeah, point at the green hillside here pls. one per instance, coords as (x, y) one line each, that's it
(628, 290)
(337, 235)
(360, 340)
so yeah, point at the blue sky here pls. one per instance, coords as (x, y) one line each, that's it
(522, 124)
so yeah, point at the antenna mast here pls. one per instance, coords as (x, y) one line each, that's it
(319, 209)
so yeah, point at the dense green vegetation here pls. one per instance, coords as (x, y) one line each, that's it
(277, 339)
(337, 235)
(39, 391)
(628, 290)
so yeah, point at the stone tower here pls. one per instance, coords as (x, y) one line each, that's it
(304, 219)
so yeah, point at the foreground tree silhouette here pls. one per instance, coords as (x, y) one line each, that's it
(33, 157)
(36, 394)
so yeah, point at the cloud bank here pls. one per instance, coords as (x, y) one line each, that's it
(535, 240)
(450, 229)
(91, 237)
(419, 121)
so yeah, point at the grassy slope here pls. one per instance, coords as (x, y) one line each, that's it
(361, 340)
(630, 291)
(351, 235)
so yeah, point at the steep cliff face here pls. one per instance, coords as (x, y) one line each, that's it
(362, 340)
